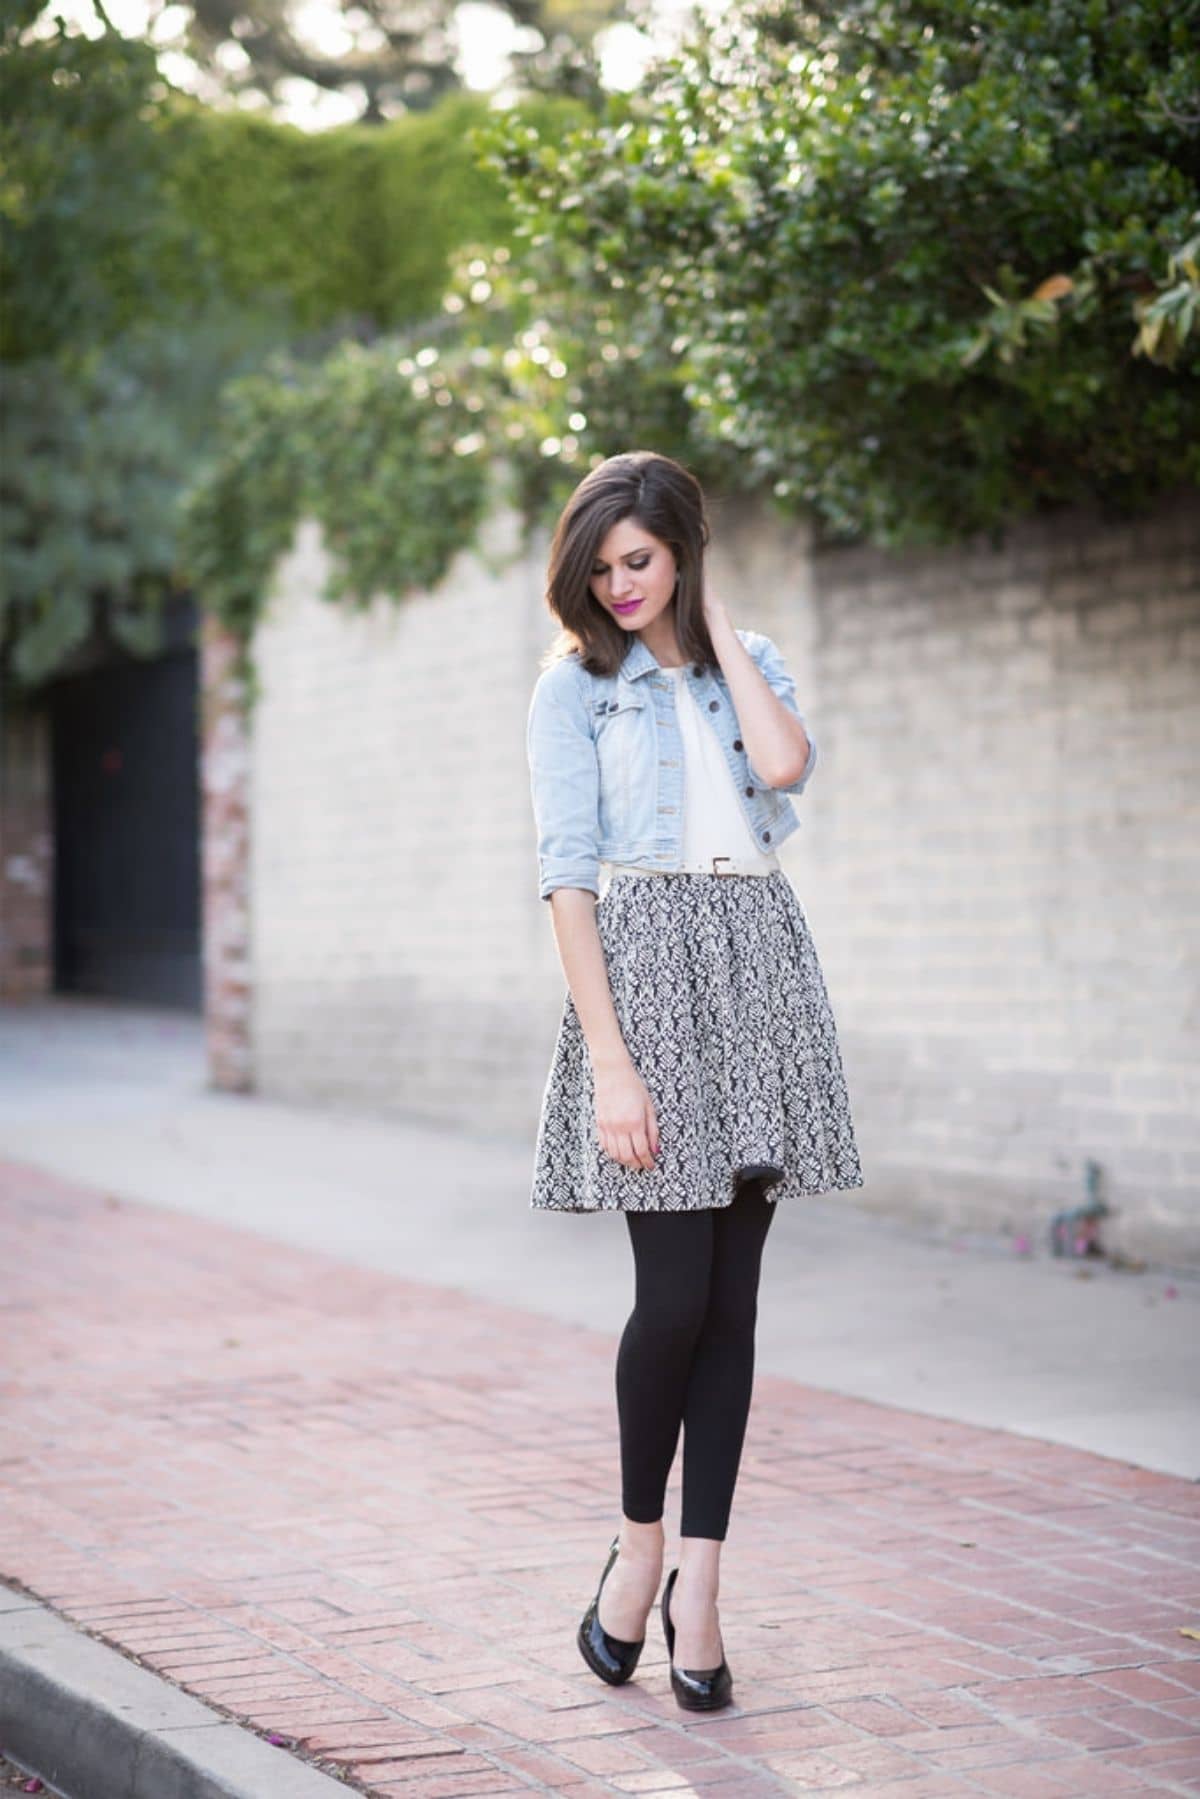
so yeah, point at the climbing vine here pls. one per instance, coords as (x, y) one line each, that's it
(378, 444)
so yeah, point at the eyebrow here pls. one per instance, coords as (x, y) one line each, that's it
(644, 551)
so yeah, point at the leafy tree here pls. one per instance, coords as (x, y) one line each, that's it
(91, 472)
(87, 242)
(398, 56)
(899, 253)
(92, 457)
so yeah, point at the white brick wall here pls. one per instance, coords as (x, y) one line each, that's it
(999, 856)
(1002, 868)
(396, 951)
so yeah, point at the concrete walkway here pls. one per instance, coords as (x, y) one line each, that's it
(1080, 1354)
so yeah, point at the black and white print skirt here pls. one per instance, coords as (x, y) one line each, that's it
(722, 1005)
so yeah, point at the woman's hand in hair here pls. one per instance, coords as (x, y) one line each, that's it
(716, 613)
(626, 1123)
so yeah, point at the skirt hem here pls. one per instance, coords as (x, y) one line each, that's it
(716, 1205)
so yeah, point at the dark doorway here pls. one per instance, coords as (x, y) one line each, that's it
(127, 905)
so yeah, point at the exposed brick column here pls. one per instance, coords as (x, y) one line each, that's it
(26, 852)
(225, 781)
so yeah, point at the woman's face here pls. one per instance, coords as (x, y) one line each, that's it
(633, 576)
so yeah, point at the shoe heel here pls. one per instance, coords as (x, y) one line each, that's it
(612, 1658)
(695, 1689)
(668, 1627)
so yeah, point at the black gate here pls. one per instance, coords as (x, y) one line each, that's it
(127, 831)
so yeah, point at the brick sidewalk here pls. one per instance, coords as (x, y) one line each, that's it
(367, 1515)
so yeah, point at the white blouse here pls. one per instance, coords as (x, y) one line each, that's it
(713, 821)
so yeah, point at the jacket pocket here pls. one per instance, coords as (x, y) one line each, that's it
(617, 723)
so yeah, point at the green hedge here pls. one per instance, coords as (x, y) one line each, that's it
(359, 222)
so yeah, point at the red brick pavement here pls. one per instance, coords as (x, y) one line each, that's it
(366, 1514)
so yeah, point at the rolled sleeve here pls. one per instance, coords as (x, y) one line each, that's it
(775, 670)
(564, 774)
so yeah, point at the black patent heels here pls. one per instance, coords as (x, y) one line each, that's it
(697, 1690)
(610, 1657)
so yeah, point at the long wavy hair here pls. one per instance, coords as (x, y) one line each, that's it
(666, 500)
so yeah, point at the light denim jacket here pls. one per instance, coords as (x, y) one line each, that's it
(606, 763)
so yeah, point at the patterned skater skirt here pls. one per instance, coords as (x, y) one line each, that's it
(722, 1005)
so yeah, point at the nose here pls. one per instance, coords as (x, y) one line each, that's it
(621, 584)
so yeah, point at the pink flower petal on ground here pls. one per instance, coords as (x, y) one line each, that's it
(1170, 1291)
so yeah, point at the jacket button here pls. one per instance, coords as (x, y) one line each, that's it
(766, 836)
(696, 670)
(737, 743)
(612, 705)
(750, 791)
(713, 705)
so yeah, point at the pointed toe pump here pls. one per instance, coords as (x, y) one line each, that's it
(696, 1689)
(610, 1657)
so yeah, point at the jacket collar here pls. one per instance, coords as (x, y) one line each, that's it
(638, 660)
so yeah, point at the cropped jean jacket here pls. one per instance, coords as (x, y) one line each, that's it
(606, 763)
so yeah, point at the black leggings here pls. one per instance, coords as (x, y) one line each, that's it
(687, 1356)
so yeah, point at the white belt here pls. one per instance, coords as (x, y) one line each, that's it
(715, 865)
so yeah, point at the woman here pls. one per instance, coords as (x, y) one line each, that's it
(696, 1078)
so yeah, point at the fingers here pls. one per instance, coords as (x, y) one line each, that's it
(636, 1149)
(633, 1141)
(633, 1150)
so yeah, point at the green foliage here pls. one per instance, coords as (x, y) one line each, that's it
(96, 450)
(1166, 322)
(90, 472)
(99, 410)
(379, 444)
(87, 243)
(558, 400)
(435, 196)
(151, 251)
(836, 237)
(920, 268)
(352, 227)
(284, 217)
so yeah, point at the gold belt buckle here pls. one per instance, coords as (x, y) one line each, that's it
(722, 871)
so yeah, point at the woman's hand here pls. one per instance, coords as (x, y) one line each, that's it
(626, 1124)
(716, 614)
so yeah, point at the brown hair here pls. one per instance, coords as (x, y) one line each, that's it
(668, 502)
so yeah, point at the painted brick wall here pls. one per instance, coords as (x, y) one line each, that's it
(999, 855)
(1004, 864)
(26, 851)
(399, 963)
(225, 860)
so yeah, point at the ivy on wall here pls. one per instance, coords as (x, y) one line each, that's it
(378, 444)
